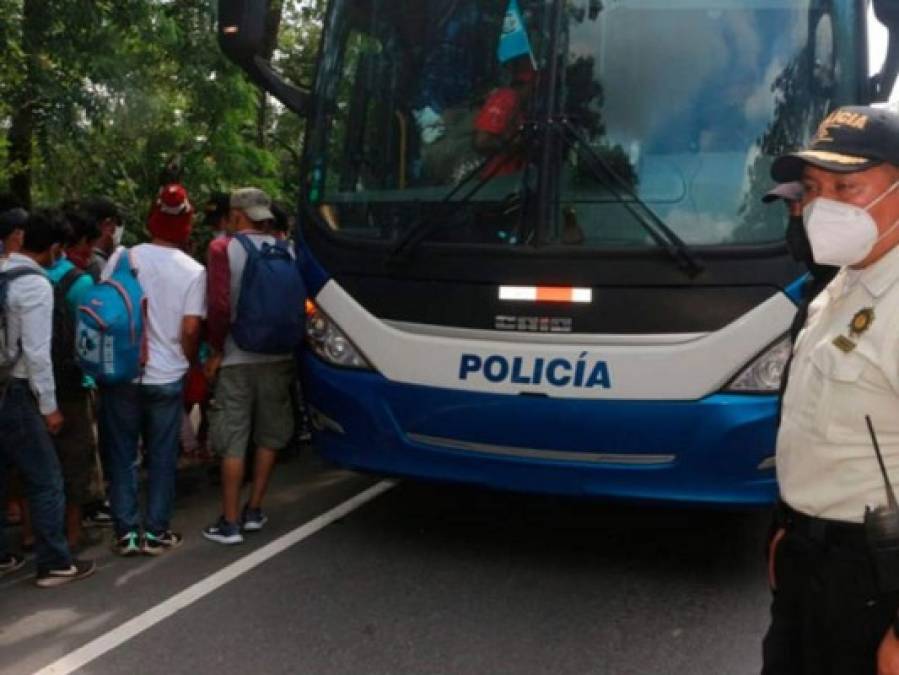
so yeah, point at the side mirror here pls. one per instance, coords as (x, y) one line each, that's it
(887, 12)
(242, 37)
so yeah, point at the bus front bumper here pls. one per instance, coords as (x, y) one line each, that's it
(718, 450)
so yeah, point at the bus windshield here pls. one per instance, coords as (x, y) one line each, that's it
(449, 111)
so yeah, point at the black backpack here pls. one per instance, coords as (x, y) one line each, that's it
(65, 361)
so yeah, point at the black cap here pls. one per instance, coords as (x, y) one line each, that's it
(102, 208)
(216, 208)
(12, 220)
(789, 192)
(849, 139)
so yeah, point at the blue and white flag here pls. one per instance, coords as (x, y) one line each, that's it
(514, 41)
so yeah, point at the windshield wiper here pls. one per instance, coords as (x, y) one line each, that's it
(657, 228)
(421, 227)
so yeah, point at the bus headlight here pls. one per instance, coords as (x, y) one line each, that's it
(329, 343)
(764, 374)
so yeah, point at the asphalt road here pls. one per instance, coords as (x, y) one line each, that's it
(422, 579)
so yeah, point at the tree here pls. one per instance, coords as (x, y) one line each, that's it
(52, 48)
(96, 98)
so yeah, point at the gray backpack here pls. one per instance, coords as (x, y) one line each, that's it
(9, 353)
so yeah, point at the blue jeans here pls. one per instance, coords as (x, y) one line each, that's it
(127, 413)
(26, 444)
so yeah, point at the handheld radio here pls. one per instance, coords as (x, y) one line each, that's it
(882, 527)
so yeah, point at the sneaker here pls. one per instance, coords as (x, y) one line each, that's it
(224, 532)
(156, 544)
(252, 520)
(11, 563)
(127, 545)
(79, 569)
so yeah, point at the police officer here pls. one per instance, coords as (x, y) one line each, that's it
(834, 610)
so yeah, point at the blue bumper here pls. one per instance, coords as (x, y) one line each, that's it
(703, 452)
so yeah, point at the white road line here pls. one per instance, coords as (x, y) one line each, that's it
(117, 636)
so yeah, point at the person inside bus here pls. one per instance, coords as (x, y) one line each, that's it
(447, 74)
(501, 118)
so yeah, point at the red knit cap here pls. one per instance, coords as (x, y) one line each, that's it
(171, 215)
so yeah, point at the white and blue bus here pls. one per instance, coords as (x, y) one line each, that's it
(533, 235)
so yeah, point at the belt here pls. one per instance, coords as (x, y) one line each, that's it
(822, 530)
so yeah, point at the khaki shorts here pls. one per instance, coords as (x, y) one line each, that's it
(252, 400)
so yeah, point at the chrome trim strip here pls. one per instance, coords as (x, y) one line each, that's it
(586, 339)
(553, 455)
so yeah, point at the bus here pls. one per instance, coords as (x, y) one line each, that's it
(533, 235)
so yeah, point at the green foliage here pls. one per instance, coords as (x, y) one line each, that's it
(121, 88)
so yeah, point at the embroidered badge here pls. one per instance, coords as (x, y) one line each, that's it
(861, 322)
(843, 343)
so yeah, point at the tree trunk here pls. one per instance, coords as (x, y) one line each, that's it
(20, 136)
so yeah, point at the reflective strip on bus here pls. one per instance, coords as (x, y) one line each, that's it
(546, 294)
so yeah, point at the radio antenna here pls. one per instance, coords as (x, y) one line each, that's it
(891, 496)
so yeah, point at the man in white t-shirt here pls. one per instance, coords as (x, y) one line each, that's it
(152, 407)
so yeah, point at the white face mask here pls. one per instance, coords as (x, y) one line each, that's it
(842, 234)
(117, 235)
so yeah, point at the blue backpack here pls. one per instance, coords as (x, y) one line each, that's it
(111, 327)
(270, 311)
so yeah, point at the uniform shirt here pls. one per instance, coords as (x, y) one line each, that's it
(175, 287)
(826, 464)
(226, 263)
(30, 320)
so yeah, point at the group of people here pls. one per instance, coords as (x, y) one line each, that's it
(73, 439)
(833, 550)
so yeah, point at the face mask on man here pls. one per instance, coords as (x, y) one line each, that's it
(842, 234)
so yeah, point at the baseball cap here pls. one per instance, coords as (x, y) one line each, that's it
(789, 192)
(254, 202)
(850, 139)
